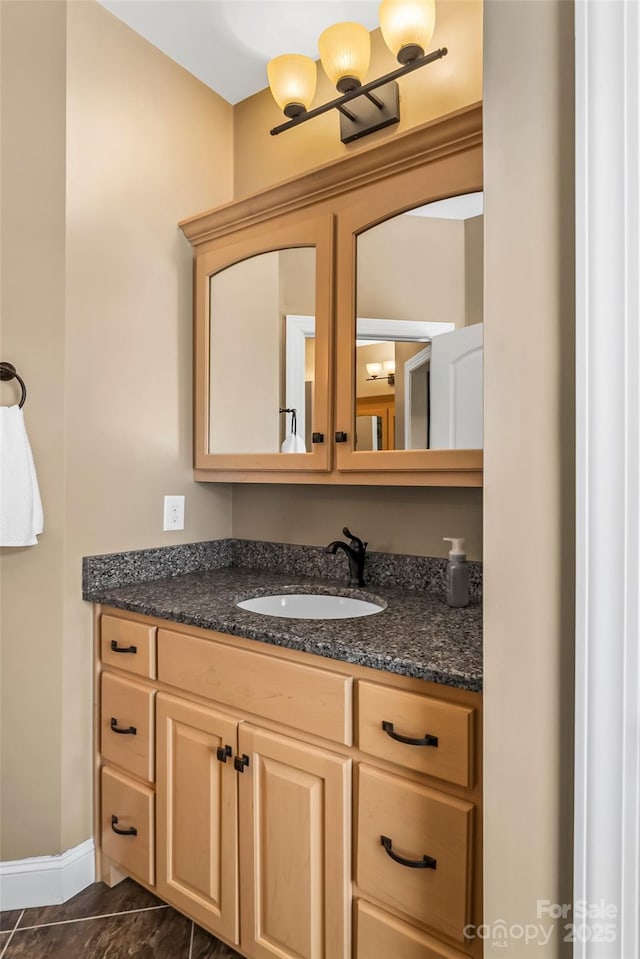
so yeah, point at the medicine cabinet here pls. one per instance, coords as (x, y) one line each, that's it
(338, 320)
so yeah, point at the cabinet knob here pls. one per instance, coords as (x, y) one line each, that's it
(341, 437)
(240, 762)
(317, 437)
(223, 753)
(425, 863)
(131, 831)
(428, 739)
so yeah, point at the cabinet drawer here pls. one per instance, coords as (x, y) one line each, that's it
(314, 700)
(128, 645)
(127, 725)
(381, 936)
(128, 805)
(416, 822)
(421, 718)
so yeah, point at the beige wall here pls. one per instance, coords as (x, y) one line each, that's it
(403, 520)
(529, 475)
(431, 92)
(32, 322)
(108, 371)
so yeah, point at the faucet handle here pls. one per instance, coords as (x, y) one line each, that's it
(356, 542)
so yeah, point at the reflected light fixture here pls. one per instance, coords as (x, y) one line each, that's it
(382, 371)
(345, 51)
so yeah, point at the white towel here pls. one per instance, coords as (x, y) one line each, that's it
(21, 517)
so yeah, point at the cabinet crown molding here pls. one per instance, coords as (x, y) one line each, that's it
(454, 133)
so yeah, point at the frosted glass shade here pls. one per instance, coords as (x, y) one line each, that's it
(389, 366)
(374, 370)
(407, 26)
(345, 52)
(292, 80)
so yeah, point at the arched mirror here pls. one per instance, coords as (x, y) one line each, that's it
(262, 353)
(418, 336)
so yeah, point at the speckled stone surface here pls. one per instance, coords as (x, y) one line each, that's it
(416, 634)
(398, 571)
(136, 566)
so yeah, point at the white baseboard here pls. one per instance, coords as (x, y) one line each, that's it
(47, 880)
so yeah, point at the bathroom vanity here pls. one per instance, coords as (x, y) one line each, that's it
(301, 789)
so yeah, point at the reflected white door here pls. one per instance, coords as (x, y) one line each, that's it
(456, 389)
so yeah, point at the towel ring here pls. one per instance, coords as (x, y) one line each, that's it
(8, 372)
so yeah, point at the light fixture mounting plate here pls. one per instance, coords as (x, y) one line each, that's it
(370, 114)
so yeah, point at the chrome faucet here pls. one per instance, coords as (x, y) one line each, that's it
(356, 553)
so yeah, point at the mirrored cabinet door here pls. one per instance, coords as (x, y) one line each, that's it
(410, 323)
(262, 354)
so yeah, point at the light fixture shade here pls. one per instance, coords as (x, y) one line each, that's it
(389, 366)
(407, 26)
(292, 79)
(374, 370)
(345, 52)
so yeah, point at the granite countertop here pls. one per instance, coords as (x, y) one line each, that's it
(416, 634)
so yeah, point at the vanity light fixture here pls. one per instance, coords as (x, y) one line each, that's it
(345, 50)
(382, 371)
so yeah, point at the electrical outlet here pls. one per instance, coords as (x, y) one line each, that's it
(173, 512)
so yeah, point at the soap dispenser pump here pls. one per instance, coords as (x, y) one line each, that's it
(457, 573)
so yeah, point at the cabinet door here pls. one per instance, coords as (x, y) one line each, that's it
(262, 347)
(197, 813)
(294, 849)
(403, 280)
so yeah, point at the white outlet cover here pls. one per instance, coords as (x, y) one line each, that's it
(173, 516)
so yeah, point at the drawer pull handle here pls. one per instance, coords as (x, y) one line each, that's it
(428, 740)
(425, 863)
(131, 831)
(129, 731)
(122, 649)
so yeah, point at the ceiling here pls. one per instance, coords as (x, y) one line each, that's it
(227, 43)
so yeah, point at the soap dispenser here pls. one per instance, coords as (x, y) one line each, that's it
(457, 573)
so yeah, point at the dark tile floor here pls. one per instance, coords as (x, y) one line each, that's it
(125, 922)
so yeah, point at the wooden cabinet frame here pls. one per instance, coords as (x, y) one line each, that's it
(206, 803)
(294, 230)
(439, 159)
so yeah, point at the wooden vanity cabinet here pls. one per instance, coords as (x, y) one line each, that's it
(263, 820)
(327, 209)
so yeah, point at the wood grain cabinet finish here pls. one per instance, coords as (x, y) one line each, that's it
(128, 832)
(380, 935)
(127, 725)
(247, 823)
(197, 813)
(128, 645)
(314, 700)
(419, 732)
(424, 868)
(294, 846)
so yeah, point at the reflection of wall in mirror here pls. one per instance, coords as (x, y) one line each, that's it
(249, 301)
(412, 268)
(474, 268)
(404, 352)
(244, 361)
(298, 298)
(421, 268)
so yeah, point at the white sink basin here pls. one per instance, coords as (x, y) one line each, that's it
(310, 606)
